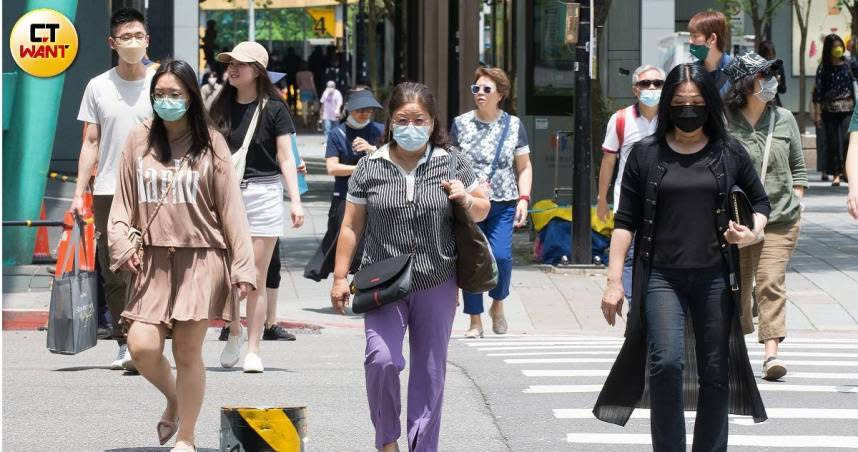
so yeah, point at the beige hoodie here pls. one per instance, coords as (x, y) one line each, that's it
(203, 210)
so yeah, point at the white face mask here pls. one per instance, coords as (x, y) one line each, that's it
(354, 124)
(131, 52)
(768, 89)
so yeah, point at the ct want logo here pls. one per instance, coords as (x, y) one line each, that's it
(43, 43)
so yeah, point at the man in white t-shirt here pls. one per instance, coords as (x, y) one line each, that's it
(113, 103)
(625, 128)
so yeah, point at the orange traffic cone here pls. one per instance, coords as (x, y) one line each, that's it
(42, 250)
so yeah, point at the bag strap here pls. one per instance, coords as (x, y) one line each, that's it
(161, 201)
(506, 120)
(76, 245)
(768, 148)
(621, 128)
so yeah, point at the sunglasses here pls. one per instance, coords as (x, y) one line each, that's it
(475, 89)
(643, 84)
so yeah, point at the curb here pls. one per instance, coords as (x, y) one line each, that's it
(35, 319)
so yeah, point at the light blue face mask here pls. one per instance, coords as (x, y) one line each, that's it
(169, 109)
(650, 97)
(354, 124)
(411, 138)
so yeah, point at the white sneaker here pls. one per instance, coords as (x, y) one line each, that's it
(117, 363)
(128, 362)
(253, 364)
(232, 351)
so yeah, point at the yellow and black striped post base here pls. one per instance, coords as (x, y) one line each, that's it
(281, 429)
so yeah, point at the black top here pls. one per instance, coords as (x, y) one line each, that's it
(274, 121)
(685, 235)
(833, 82)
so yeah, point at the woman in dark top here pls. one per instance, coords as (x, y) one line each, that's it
(269, 160)
(674, 202)
(834, 100)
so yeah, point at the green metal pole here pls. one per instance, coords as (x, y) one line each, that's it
(27, 148)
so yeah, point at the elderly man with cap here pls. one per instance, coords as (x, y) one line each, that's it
(771, 136)
(347, 143)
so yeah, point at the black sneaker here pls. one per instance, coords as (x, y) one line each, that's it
(224, 333)
(277, 333)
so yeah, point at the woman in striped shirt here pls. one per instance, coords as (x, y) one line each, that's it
(400, 197)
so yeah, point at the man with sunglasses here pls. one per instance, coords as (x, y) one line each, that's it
(625, 128)
(114, 102)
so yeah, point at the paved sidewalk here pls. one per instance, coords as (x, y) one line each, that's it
(822, 280)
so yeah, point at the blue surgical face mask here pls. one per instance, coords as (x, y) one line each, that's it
(169, 109)
(354, 124)
(411, 138)
(650, 97)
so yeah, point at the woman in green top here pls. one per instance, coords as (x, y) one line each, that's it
(754, 120)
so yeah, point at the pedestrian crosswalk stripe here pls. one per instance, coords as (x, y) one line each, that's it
(580, 352)
(764, 387)
(587, 343)
(550, 347)
(604, 373)
(483, 346)
(612, 353)
(785, 362)
(525, 337)
(773, 413)
(792, 441)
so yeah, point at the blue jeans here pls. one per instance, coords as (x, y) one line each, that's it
(628, 265)
(497, 227)
(706, 296)
(329, 125)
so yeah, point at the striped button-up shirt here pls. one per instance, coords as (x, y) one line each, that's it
(408, 212)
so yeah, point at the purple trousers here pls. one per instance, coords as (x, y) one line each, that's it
(428, 314)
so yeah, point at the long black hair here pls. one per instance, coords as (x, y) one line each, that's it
(827, 45)
(198, 120)
(714, 127)
(222, 105)
(418, 93)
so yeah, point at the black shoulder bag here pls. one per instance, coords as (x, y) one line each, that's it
(385, 281)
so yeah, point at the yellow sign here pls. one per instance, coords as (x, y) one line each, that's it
(323, 21)
(43, 43)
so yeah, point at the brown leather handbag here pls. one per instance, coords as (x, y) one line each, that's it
(476, 269)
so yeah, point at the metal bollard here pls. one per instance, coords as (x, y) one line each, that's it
(246, 429)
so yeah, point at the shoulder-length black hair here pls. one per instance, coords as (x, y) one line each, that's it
(827, 45)
(198, 120)
(418, 93)
(714, 127)
(222, 105)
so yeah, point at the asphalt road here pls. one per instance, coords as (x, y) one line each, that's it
(75, 403)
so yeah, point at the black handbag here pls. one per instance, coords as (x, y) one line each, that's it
(741, 211)
(381, 283)
(476, 268)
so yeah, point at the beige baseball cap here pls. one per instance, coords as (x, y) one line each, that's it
(246, 52)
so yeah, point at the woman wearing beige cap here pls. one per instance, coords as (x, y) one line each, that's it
(257, 126)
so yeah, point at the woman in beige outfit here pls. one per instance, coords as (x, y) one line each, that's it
(176, 177)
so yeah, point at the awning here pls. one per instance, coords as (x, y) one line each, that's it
(212, 5)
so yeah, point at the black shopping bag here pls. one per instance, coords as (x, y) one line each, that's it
(72, 323)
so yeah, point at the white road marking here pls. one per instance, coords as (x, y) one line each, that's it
(773, 413)
(588, 343)
(604, 373)
(551, 347)
(764, 387)
(775, 441)
(610, 360)
(755, 354)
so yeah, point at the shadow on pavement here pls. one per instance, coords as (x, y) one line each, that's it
(154, 449)
(330, 310)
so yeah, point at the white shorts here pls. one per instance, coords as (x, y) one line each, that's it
(263, 202)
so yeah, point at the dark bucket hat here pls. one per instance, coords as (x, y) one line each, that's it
(361, 99)
(750, 63)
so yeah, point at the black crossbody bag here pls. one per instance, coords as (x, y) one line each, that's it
(385, 281)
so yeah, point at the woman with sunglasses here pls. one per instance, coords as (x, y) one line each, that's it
(176, 185)
(250, 98)
(495, 143)
(772, 139)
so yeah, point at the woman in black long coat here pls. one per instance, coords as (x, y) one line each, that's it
(685, 316)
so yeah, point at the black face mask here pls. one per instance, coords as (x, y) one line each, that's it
(688, 118)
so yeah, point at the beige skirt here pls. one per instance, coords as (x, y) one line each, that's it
(180, 284)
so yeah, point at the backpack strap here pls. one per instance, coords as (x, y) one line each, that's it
(621, 128)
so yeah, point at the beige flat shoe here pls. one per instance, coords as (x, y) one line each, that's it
(474, 333)
(499, 325)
